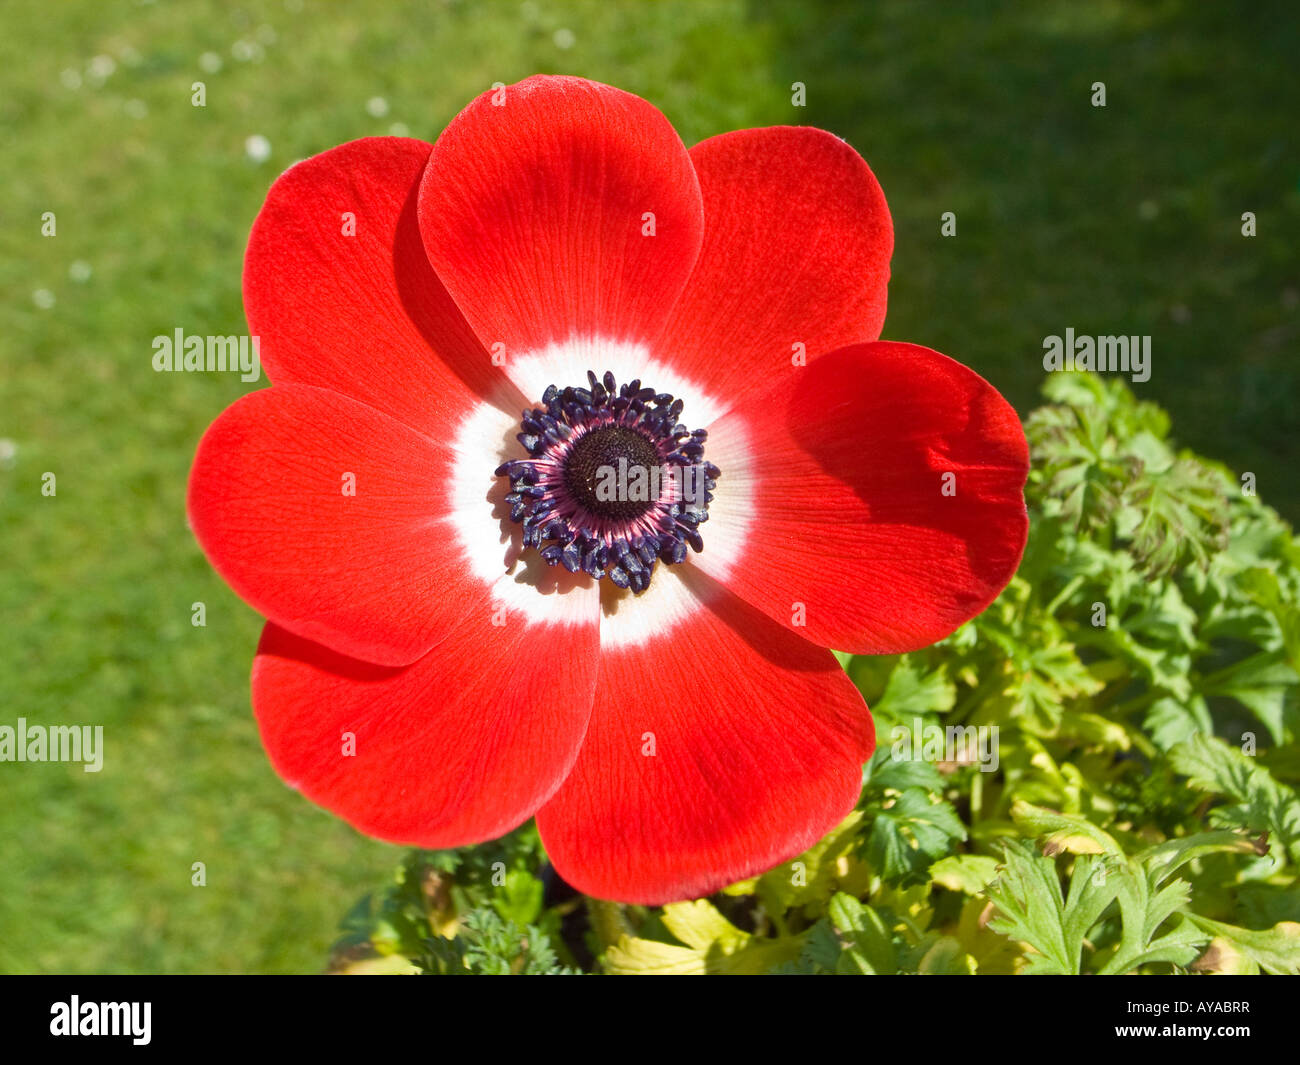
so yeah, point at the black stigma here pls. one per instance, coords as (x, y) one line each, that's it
(598, 479)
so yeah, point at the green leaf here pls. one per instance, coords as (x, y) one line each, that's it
(868, 945)
(909, 833)
(1181, 514)
(1172, 721)
(1144, 906)
(1261, 905)
(945, 957)
(1263, 804)
(1032, 910)
(1044, 673)
(1179, 946)
(488, 945)
(1165, 859)
(1264, 588)
(520, 898)
(887, 774)
(913, 691)
(1259, 683)
(1101, 459)
(822, 947)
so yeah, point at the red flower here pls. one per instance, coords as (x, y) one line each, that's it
(465, 630)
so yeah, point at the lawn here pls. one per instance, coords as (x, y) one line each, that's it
(1123, 219)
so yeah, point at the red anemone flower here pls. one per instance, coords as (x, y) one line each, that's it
(476, 617)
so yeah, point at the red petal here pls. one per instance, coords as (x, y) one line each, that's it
(375, 574)
(532, 212)
(759, 740)
(852, 541)
(363, 314)
(457, 748)
(796, 251)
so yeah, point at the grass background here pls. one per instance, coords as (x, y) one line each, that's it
(1117, 220)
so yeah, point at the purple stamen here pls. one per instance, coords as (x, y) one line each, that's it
(614, 483)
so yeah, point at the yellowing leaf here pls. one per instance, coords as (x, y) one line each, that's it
(1062, 832)
(646, 957)
(390, 965)
(712, 945)
(698, 924)
(967, 873)
(1276, 949)
(1223, 958)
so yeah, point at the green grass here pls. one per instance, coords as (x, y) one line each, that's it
(1115, 220)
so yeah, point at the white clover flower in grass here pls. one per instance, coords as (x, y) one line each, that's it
(257, 148)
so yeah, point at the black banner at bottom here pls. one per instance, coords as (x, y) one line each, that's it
(145, 1014)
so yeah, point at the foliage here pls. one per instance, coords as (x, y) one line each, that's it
(472, 911)
(1137, 683)
(1141, 816)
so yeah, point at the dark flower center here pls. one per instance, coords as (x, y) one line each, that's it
(611, 471)
(613, 484)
